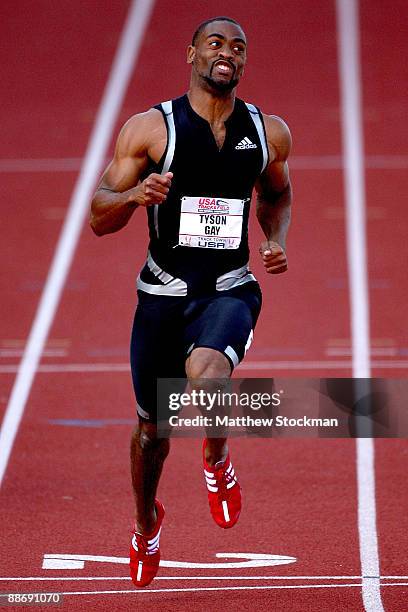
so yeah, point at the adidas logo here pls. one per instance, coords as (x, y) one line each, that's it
(246, 144)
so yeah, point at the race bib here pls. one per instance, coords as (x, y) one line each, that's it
(211, 223)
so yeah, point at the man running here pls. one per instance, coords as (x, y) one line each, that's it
(193, 163)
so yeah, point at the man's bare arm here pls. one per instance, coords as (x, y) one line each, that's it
(274, 197)
(119, 192)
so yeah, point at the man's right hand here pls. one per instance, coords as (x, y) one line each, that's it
(121, 189)
(153, 190)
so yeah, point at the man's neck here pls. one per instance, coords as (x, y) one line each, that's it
(213, 107)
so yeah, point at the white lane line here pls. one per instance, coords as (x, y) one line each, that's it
(78, 368)
(297, 162)
(231, 588)
(354, 185)
(315, 365)
(227, 588)
(367, 527)
(56, 164)
(57, 368)
(10, 353)
(335, 162)
(346, 352)
(129, 45)
(180, 578)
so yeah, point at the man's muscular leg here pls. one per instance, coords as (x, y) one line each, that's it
(147, 455)
(208, 363)
(148, 452)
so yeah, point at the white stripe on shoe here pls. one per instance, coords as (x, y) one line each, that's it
(155, 539)
(210, 481)
(139, 570)
(225, 510)
(134, 543)
(152, 544)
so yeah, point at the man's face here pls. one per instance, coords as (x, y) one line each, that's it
(219, 55)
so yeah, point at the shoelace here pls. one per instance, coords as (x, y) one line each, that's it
(223, 479)
(142, 543)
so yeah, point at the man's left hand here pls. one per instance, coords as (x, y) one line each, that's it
(273, 257)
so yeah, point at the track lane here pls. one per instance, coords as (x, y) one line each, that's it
(36, 205)
(385, 97)
(384, 77)
(46, 64)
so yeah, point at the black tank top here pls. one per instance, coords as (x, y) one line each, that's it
(215, 178)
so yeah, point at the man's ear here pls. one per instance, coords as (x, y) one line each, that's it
(190, 54)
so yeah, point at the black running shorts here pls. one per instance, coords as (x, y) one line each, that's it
(166, 329)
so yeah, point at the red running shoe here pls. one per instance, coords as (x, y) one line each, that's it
(145, 552)
(224, 491)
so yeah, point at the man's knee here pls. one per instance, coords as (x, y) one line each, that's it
(146, 436)
(207, 363)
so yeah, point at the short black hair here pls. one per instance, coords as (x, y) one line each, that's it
(205, 23)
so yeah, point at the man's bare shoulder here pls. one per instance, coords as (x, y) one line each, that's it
(141, 132)
(147, 120)
(278, 136)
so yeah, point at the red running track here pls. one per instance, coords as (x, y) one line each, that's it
(66, 489)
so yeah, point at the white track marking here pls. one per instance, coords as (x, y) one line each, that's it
(227, 588)
(61, 164)
(335, 162)
(354, 187)
(367, 528)
(313, 365)
(96, 578)
(353, 160)
(115, 90)
(333, 585)
(78, 368)
(297, 162)
(231, 588)
(10, 353)
(62, 561)
(347, 352)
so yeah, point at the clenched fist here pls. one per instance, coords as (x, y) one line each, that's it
(154, 189)
(273, 257)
